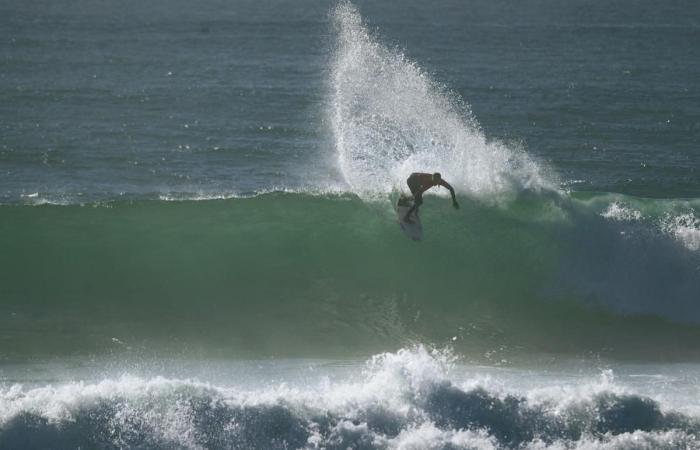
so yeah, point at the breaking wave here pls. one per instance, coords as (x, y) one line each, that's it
(411, 399)
(318, 273)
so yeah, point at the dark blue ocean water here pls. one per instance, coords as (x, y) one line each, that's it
(126, 97)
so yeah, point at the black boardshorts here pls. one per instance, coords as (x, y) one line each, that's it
(416, 187)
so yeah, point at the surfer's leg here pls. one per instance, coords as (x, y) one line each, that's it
(417, 201)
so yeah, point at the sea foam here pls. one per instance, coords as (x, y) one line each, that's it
(685, 228)
(409, 399)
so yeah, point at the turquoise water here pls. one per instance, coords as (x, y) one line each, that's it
(199, 248)
(307, 275)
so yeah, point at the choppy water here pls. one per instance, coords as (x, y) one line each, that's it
(196, 197)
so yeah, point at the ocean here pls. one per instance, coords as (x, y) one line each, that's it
(199, 247)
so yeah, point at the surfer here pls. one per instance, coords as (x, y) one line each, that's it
(421, 182)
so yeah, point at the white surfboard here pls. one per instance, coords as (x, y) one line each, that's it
(413, 230)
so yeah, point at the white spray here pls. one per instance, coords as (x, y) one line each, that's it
(390, 119)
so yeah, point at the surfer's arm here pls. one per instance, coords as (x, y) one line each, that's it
(452, 192)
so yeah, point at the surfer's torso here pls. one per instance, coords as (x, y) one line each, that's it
(420, 182)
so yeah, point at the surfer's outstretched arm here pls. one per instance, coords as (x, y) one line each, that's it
(452, 192)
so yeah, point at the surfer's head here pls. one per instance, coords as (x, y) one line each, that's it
(437, 177)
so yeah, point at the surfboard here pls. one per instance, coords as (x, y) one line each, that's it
(412, 230)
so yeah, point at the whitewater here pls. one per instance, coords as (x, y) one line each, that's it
(412, 399)
(256, 291)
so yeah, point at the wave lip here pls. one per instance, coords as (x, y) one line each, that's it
(619, 212)
(404, 400)
(685, 228)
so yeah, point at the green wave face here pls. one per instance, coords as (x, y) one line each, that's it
(295, 274)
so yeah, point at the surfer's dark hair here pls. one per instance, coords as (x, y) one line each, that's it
(437, 176)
